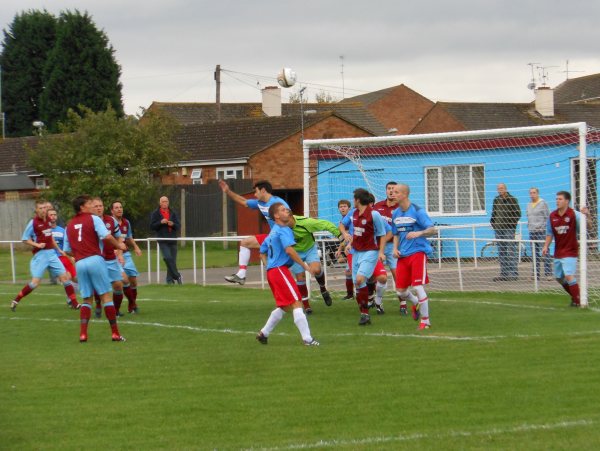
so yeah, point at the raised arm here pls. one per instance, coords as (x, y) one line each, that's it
(234, 196)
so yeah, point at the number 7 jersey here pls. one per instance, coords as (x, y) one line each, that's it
(83, 236)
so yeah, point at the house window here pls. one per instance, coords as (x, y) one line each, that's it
(41, 183)
(235, 172)
(196, 177)
(455, 189)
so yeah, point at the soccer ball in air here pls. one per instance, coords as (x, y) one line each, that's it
(286, 77)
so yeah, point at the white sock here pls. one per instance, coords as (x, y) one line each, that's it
(302, 324)
(379, 292)
(274, 318)
(406, 295)
(243, 260)
(423, 304)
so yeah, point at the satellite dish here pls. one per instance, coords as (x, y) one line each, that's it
(531, 86)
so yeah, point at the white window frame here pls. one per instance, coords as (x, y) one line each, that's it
(41, 183)
(196, 176)
(439, 211)
(229, 172)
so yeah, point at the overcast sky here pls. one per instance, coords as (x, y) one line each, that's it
(461, 50)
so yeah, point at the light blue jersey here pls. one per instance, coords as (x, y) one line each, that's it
(414, 219)
(28, 232)
(280, 238)
(256, 204)
(58, 233)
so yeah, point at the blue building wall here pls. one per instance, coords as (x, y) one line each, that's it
(547, 168)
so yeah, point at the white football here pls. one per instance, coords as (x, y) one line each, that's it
(286, 77)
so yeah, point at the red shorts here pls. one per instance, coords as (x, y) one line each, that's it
(284, 288)
(412, 271)
(262, 237)
(68, 264)
(379, 269)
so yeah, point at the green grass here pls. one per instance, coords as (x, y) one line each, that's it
(216, 257)
(497, 371)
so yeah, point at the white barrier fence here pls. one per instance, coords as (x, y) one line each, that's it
(471, 272)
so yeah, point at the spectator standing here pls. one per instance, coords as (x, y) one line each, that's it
(537, 218)
(505, 217)
(165, 222)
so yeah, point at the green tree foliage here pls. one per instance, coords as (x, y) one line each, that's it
(101, 154)
(26, 45)
(81, 70)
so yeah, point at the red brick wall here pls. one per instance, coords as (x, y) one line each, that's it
(282, 163)
(401, 108)
(438, 121)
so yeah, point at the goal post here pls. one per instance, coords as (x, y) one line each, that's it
(455, 177)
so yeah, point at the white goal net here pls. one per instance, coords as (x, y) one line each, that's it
(455, 177)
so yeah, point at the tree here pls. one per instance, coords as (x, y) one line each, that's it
(295, 97)
(81, 70)
(325, 97)
(103, 155)
(25, 48)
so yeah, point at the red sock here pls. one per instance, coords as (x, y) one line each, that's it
(111, 315)
(134, 296)
(371, 287)
(303, 289)
(574, 292)
(362, 298)
(349, 287)
(85, 313)
(24, 292)
(70, 290)
(117, 299)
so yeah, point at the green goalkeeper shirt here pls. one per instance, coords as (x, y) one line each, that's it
(304, 229)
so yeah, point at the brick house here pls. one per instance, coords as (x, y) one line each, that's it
(17, 179)
(398, 107)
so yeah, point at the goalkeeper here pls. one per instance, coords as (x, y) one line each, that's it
(306, 247)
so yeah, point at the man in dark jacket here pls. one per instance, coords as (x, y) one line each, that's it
(165, 223)
(505, 217)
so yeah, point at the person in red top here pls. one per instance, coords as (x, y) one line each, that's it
(116, 274)
(367, 225)
(38, 235)
(129, 290)
(385, 208)
(563, 226)
(83, 235)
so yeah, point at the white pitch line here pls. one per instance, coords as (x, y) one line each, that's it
(424, 336)
(423, 436)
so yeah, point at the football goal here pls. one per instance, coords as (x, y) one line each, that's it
(456, 177)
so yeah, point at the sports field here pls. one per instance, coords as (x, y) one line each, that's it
(495, 372)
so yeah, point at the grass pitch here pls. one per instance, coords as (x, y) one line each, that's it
(495, 372)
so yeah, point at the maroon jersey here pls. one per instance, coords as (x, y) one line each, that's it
(364, 231)
(385, 211)
(82, 236)
(125, 228)
(42, 229)
(564, 229)
(113, 227)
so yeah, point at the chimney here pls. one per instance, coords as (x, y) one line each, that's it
(544, 101)
(271, 101)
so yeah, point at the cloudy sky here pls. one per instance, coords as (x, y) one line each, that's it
(464, 50)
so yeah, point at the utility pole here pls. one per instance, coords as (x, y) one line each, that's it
(343, 87)
(218, 99)
(2, 116)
